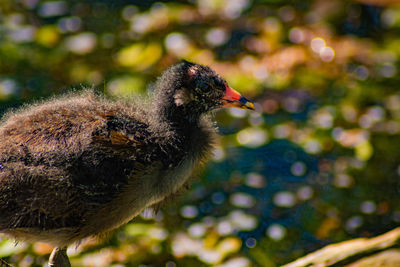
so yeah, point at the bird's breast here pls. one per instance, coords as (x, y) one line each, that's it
(172, 179)
(150, 187)
(156, 181)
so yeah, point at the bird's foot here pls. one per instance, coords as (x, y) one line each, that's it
(59, 258)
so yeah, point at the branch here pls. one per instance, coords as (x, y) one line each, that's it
(379, 250)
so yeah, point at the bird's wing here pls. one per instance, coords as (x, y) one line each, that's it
(121, 133)
(51, 180)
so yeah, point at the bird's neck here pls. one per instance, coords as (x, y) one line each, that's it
(166, 111)
(180, 133)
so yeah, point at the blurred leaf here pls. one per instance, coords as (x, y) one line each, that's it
(364, 150)
(9, 247)
(48, 35)
(139, 56)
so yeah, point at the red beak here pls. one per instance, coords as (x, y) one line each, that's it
(233, 99)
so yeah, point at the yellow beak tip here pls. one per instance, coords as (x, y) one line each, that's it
(249, 105)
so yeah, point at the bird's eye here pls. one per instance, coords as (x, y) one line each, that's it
(203, 86)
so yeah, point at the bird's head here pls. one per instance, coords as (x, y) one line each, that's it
(197, 89)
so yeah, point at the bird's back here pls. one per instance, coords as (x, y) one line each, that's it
(51, 170)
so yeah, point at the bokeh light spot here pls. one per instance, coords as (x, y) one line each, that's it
(81, 43)
(242, 200)
(255, 180)
(368, 207)
(177, 43)
(217, 36)
(343, 180)
(252, 137)
(276, 232)
(218, 198)
(305, 192)
(317, 44)
(53, 8)
(296, 35)
(129, 11)
(197, 230)
(353, 223)
(251, 242)
(298, 168)
(327, 54)
(189, 211)
(284, 199)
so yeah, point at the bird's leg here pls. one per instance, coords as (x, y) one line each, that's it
(4, 264)
(59, 258)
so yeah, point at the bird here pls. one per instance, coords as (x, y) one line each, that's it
(81, 164)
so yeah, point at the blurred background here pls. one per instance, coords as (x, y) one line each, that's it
(319, 162)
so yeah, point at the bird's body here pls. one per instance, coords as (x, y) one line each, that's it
(69, 167)
(82, 165)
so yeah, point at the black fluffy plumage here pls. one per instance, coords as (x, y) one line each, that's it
(82, 165)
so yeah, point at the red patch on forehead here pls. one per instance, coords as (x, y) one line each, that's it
(231, 94)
